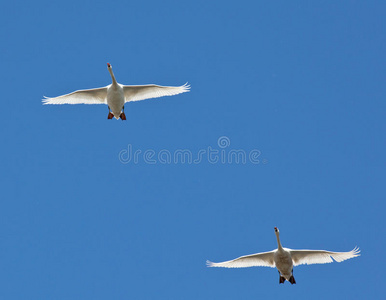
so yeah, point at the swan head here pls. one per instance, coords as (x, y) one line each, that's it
(110, 69)
(277, 237)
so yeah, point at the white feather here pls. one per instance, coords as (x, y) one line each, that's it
(91, 96)
(264, 259)
(308, 257)
(142, 92)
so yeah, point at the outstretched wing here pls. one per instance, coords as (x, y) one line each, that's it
(308, 257)
(264, 259)
(142, 92)
(91, 96)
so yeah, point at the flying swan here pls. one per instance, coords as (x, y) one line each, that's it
(285, 259)
(116, 95)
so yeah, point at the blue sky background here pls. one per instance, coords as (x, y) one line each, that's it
(302, 82)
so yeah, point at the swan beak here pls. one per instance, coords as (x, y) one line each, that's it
(108, 65)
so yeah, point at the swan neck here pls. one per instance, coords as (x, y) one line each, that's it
(278, 241)
(112, 76)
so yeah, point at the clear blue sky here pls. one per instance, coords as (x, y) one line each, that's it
(302, 82)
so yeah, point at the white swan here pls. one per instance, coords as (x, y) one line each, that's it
(285, 259)
(116, 95)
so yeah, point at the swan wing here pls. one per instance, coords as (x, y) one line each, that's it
(308, 257)
(264, 259)
(91, 96)
(142, 92)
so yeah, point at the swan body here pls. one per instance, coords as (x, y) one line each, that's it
(285, 259)
(116, 95)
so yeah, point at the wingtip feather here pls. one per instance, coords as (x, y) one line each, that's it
(186, 87)
(356, 251)
(45, 100)
(209, 263)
